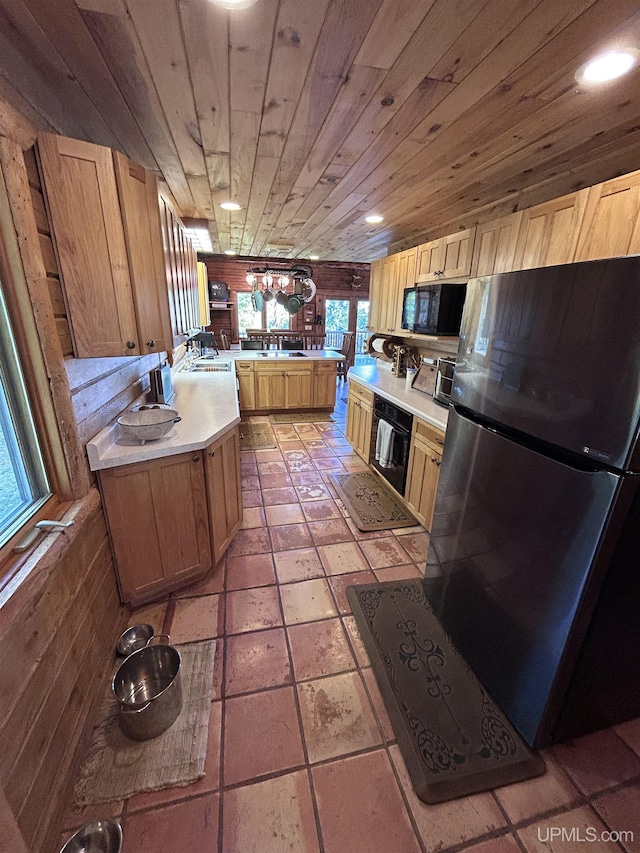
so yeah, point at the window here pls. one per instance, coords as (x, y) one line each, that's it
(23, 481)
(248, 317)
(272, 316)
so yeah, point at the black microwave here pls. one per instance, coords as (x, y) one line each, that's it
(433, 309)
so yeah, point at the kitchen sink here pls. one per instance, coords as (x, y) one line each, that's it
(209, 366)
(278, 354)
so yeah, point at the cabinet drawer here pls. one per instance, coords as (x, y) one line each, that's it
(243, 366)
(429, 433)
(361, 393)
(326, 366)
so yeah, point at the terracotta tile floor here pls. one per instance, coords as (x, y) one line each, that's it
(301, 754)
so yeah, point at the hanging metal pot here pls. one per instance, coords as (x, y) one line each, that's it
(294, 304)
(282, 297)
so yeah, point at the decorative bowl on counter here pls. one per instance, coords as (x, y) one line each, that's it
(148, 424)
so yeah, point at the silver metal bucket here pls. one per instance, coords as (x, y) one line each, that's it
(102, 836)
(148, 689)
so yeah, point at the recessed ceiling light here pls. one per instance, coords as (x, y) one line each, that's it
(234, 4)
(200, 238)
(374, 219)
(230, 205)
(314, 257)
(608, 66)
(230, 252)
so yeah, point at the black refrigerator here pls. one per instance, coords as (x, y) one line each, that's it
(534, 558)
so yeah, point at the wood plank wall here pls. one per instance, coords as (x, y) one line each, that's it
(57, 636)
(332, 279)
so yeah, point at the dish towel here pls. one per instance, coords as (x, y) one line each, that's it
(384, 444)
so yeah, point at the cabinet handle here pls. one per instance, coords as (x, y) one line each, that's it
(196, 459)
(437, 461)
(151, 344)
(131, 345)
(212, 453)
(440, 442)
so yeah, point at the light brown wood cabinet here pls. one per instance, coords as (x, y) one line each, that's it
(138, 192)
(495, 245)
(548, 233)
(181, 273)
(324, 384)
(123, 296)
(158, 523)
(246, 385)
(447, 257)
(359, 419)
(375, 295)
(611, 224)
(80, 187)
(222, 470)
(272, 385)
(425, 458)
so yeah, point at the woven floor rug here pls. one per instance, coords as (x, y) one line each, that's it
(301, 418)
(116, 767)
(256, 436)
(454, 740)
(371, 504)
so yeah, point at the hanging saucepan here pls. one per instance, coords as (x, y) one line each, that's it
(267, 295)
(294, 304)
(281, 297)
(256, 300)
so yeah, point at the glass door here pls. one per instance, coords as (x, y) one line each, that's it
(336, 320)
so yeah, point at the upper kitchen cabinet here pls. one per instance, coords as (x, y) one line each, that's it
(495, 245)
(82, 197)
(181, 273)
(138, 192)
(447, 257)
(611, 224)
(375, 284)
(407, 262)
(548, 233)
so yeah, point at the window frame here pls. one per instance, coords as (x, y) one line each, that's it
(26, 339)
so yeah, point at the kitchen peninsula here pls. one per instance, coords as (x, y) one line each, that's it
(166, 521)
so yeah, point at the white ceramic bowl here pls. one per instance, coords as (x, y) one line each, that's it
(148, 424)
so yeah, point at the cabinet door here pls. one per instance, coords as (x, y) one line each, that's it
(138, 192)
(269, 389)
(457, 251)
(548, 232)
(375, 296)
(429, 260)
(364, 423)
(247, 390)
(407, 262)
(422, 480)
(298, 388)
(157, 517)
(181, 273)
(349, 431)
(223, 479)
(611, 224)
(324, 385)
(495, 245)
(389, 288)
(80, 187)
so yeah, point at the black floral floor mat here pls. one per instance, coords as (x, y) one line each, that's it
(453, 738)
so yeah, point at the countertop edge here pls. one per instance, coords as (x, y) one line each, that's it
(382, 382)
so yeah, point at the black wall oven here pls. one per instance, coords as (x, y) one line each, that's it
(390, 442)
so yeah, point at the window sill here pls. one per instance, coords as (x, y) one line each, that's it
(24, 574)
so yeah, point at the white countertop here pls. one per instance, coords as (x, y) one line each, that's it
(208, 406)
(380, 379)
(281, 355)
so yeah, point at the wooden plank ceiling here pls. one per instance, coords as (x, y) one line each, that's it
(311, 114)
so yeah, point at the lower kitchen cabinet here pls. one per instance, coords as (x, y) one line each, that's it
(425, 457)
(277, 387)
(222, 470)
(359, 419)
(246, 386)
(158, 523)
(324, 385)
